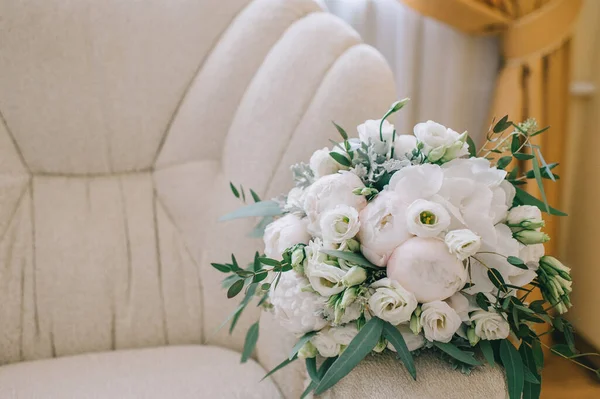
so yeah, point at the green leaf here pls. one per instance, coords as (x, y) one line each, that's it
(260, 276)
(355, 258)
(488, 351)
(255, 196)
(280, 366)
(538, 354)
(514, 369)
(269, 262)
(311, 368)
(515, 143)
(220, 267)
(524, 198)
(234, 190)
(538, 178)
(235, 288)
(472, 147)
(456, 353)
(539, 131)
(482, 301)
(340, 130)
(322, 370)
(340, 158)
(303, 340)
(250, 343)
(243, 193)
(502, 125)
(394, 336)
(562, 350)
(517, 262)
(497, 279)
(263, 208)
(362, 344)
(522, 156)
(528, 376)
(503, 162)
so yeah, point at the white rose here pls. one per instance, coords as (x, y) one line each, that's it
(295, 199)
(490, 325)
(382, 227)
(325, 343)
(322, 164)
(440, 142)
(417, 182)
(391, 302)
(426, 218)
(425, 267)
(404, 146)
(463, 243)
(413, 341)
(339, 224)
(327, 193)
(325, 279)
(369, 131)
(284, 233)
(531, 254)
(439, 321)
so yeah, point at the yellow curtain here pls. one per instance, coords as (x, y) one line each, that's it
(535, 77)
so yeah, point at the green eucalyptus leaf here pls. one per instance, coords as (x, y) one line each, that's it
(456, 353)
(234, 190)
(322, 370)
(250, 343)
(340, 158)
(502, 125)
(220, 267)
(355, 258)
(524, 198)
(472, 147)
(522, 156)
(340, 130)
(362, 344)
(255, 196)
(515, 143)
(394, 336)
(514, 368)
(503, 162)
(269, 262)
(262, 208)
(538, 354)
(539, 131)
(538, 178)
(497, 279)
(517, 262)
(280, 366)
(311, 368)
(482, 301)
(301, 342)
(235, 288)
(488, 351)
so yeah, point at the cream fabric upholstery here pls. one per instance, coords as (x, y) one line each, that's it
(179, 372)
(121, 124)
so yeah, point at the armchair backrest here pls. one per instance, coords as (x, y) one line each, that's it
(121, 125)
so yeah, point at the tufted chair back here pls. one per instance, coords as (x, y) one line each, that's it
(121, 124)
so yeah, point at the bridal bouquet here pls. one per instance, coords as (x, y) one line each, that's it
(409, 243)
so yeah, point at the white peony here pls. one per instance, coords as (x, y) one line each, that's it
(343, 335)
(339, 224)
(439, 321)
(425, 267)
(404, 146)
(391, 302)
(413, 341)
(426, 218)
(322, 164)
(297, 310)
(284, 233)
(382, 227)
(439, 142)
(325, 279)
(417, 182)
(325, 343)
(327, 193)
(462, 243)
(490, 325)
(369, 131)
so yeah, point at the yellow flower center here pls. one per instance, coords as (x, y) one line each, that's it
(427, 217)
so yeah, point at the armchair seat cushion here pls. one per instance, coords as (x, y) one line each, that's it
(157, 373)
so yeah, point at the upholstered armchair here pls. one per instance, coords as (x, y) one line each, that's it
(121, 124)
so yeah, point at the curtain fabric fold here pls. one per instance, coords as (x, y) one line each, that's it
(535, 77)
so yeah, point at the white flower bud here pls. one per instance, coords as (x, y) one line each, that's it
(463, 243)
(307, 351)
(525, 216)
(472, 336)
(530, 237)
(356, 275)
(415, 324)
